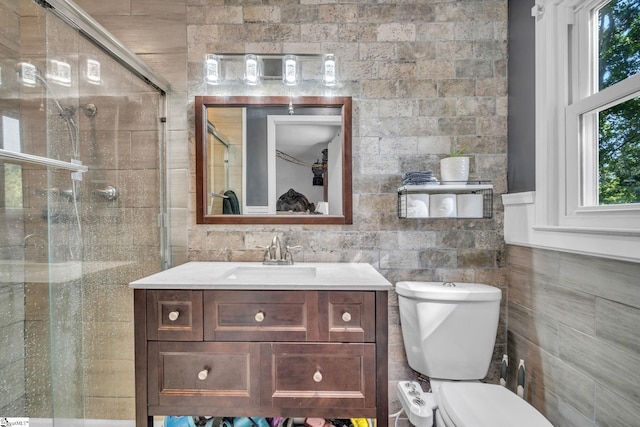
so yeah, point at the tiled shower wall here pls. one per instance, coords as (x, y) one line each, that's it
(156, 31)
(575, 321)
(423, 75)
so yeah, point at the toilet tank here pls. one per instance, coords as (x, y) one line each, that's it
(449, 329)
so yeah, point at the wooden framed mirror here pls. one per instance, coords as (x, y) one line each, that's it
(273, 160)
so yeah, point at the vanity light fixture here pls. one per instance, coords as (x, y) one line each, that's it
(252, 69)
(269, 67)
(212, 69)
(290, 70)
(329, 77)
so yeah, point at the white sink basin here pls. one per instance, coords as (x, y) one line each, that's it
(271, 273)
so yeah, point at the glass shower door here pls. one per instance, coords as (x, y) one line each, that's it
(81, 198)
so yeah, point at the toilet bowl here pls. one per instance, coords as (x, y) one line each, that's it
(484, 405)
(449, 332)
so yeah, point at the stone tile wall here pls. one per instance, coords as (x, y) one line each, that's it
(424, 77)
(574, 320)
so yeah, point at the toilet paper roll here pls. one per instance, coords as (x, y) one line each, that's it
(470, 205)
(417, 206)
(442, 205)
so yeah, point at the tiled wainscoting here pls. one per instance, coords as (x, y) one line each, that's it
(575, 320)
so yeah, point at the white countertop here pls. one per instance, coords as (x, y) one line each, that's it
(257, 276)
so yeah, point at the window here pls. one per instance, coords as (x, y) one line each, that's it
(606, 101)
(587, 132)
(591, 111)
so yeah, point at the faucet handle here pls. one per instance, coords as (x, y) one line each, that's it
(267, 255)
(287, 254)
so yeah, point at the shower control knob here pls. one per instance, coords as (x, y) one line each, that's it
(202, 375)
(109, 192)
(173, 316)
(259, 316)
(317, 377)
(346, 317)
(419, 401)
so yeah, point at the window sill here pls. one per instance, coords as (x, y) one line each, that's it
(521, 229)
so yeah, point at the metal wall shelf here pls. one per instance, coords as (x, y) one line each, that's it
(446, 201)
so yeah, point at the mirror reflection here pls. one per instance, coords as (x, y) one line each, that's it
(273, 160)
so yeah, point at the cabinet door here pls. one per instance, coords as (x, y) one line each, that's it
(260, 315)
(213, 375)
(330, 376)
(347, 316)
(174, 315)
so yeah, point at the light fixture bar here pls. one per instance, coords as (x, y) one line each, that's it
(258, 67)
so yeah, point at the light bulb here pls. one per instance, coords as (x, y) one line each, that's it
(93, 72)
(290, 73)
(212, 69)
(329, 77)
(251, 69)
(60, 72)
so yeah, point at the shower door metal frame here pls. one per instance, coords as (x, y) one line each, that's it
(90, 28)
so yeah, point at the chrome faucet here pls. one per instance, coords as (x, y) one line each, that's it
(275, 250)
(273, 254)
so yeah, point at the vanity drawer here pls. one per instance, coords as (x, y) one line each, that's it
(259, 315)
(217, 375)
(346, 316)
(315, 375)
(174, 315)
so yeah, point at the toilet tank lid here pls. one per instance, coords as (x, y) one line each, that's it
(448, 291)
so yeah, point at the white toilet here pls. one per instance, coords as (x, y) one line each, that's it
(449, 332)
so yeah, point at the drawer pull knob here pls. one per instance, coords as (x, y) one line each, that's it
(346, 317)
(259, 316)
(202, 375)
(317, 377)
(173, 316)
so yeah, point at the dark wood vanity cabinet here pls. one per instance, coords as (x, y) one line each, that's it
(302, 353)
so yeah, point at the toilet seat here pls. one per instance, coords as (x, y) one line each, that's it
(485, 405)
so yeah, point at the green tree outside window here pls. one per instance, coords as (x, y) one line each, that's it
(619, 126)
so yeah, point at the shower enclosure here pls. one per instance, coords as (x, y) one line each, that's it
(81, 213)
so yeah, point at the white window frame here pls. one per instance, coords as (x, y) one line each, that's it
(552, 217)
